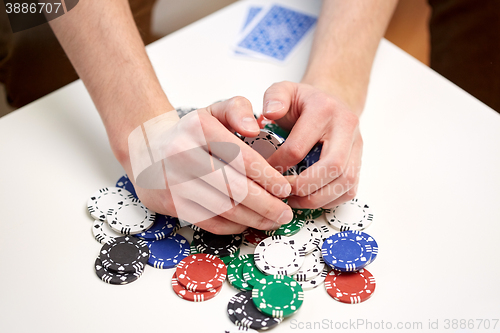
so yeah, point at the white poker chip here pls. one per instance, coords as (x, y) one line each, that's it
(130, 217)
(325, 228)
(266, 143)
(308, 238)
(317, 281)
(105, 199)
(103, 232)
(313, 266)
(278, 255)
(351, 215)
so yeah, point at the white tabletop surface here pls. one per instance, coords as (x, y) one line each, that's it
(430, 170)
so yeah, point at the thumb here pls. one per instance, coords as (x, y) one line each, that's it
(277, 99)
(236, 114)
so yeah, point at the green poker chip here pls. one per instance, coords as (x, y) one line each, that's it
(193, 249)
(301, 213)
(277, 130)
(314, 213)
(252, 274)
(235, 272)
(278, 296)
(290, 228)
(231, 257)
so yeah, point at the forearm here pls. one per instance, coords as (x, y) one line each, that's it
(345, 42)
(104, 46)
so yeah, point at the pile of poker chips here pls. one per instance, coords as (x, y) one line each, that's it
(307, 264)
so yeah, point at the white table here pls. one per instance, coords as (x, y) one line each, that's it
(430, 170)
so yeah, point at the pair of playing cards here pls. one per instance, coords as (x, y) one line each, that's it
(273, 32)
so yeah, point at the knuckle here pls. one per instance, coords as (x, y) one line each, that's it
(240, 102)
(294, 151)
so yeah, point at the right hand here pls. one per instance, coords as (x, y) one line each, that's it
(261, 208)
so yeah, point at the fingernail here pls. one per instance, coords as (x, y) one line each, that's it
(286, 190)
(273, 106)
(285, 217)
(249, 124)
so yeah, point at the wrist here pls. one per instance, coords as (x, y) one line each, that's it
(354, 95)
(122, 123)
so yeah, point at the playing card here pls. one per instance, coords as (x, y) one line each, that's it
(275, 33)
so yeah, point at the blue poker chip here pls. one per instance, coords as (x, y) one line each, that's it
(124, 182)
(311, 158)
(346, 251)
(371, 242)
(162, 227)
(168, 252)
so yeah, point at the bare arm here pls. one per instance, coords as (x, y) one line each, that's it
(344, 47)
(326, 105)
(104, 45)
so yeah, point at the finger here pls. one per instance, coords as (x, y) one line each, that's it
(335, 156)
(348, 196)
(221, 226)
(319, 197)
(302, 138)
(236, 114)
(258, 208)
(278, 99)
(254, 166)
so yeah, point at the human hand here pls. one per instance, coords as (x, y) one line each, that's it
(313, 116)
(255, 187)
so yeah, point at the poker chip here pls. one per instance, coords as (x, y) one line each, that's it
(352, 287)
(278, 255)
(161, 228)
(230, 308)
(346, 251)
(314, 213)
(238, 329)
(313, 265)
(372, 244)
(114, 278)
(227, 259)
(278, 296)
(351, 215)
(130, 217)
(168, 252)
(193, 249)
(193, 296)
(265, 143)
(103, 232)
(291, 228)
(316, 281)
(308, 238)
(184, 110)
(272, 127)
(251, 274)
(252, 237)
(219, 245)
(124, 254)
(312, 157)
(301, 213)
(247, 314)
(235, 272)
(105, 199)
(201, 272)
(124, 182)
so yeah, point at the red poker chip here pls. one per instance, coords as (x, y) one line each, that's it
(193, 296)
(263, 121)
(350, 287)
(201, 272)
(253, 236)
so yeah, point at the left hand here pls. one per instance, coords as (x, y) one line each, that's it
(313, 116)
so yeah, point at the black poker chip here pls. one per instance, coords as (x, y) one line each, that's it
(218, 245)
(114, 278)
(248, 315)
(230, 308)
(125, 254)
